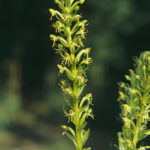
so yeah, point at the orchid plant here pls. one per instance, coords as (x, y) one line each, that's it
(68, 42)
(135, 105)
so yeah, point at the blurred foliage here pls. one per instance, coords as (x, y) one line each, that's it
(117, 30)
(10, 96)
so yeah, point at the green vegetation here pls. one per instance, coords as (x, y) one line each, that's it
(10, 96)
(135, 105)
(31, 101)
(75, 61)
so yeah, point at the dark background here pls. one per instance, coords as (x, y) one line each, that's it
(31, 102)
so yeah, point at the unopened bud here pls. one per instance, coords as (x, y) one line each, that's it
(82, 1)
(127, 77)
(137, 77)
(56, 1)
(144, 68)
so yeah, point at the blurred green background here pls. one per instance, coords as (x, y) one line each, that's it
(31, 102)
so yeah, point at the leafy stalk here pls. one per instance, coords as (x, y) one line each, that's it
(135, 105)
(68, 43)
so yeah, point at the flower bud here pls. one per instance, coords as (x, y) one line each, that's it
(76, 8)
(127, 77)
(82, 1)
(56, 1)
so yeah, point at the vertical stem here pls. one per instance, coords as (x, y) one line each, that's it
(74, 64)
(77, 117)
(75, 90)
(135, 139)
(78, 132)
(138, 124)
(75, 100)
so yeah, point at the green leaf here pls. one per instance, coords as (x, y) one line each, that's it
(142, 136)
(142, 148)
(147, 132)
(69, 74)
(82, 126)
(82, 120)
(70, 137)
(70, 133)
(85, 136)
(63, 41)
(80, 90)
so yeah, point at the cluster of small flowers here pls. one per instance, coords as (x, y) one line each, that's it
(68, 42)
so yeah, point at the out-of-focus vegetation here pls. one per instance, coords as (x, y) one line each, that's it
(31, 103)
(134, 99)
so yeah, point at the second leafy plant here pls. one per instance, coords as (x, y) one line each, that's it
(135, 105)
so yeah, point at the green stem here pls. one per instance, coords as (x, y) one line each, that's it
(138, 124)
(135, 139)
(77, 117)
(76, 108)
(78, 131)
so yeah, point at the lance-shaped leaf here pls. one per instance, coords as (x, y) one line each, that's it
(80, 90)
(82, 120)
(63, 41)
(70, 133)
(144, 148)
(85, 136)
(143, 135)
(85, 112)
